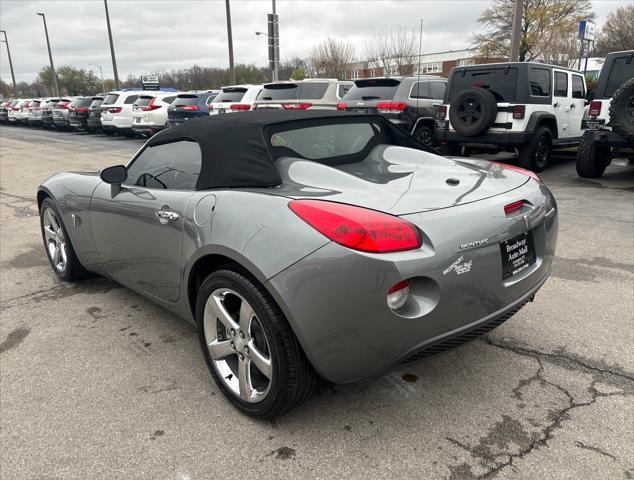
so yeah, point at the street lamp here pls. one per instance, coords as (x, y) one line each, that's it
(274, 69)
(114, 59)
(50, 55)
(9, 55)
(103, 85)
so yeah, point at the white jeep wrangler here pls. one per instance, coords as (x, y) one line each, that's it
(529, 108)
(610, 118)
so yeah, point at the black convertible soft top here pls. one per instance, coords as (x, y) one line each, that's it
(237, 153)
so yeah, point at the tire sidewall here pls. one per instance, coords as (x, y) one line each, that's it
(422, 129)
(248, 290)
(488, 105)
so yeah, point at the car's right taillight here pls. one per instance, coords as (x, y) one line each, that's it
(391, 107)
(296, 106)
(240, 107)
(151, 105)
(342, 106)
(191, 108)
(595, 108)
(115, 110)
(533, 175)
(442, 113)
(358, 228)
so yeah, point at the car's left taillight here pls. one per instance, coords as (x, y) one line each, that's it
(240, 107)
(296, 106)
(150, 106)
(391, 107)
(358, 228)
(191, 108)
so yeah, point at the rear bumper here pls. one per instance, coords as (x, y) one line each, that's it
(608, 138)
(335, 299)
(487, 138)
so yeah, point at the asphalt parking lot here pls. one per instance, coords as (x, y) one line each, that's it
(97, 382)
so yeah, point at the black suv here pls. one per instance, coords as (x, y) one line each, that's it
(610, 118)
(410, 102)
(78, 112)
(530, 108)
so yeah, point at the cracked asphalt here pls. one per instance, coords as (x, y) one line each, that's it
(97, 382)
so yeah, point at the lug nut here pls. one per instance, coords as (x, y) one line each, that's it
(233, 332)
(246, 349)
(241, 356)
(241, 334)
(232, 345)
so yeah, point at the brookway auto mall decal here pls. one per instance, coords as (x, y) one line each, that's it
(459, 266)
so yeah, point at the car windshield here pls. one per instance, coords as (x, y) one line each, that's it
(500, 81)
(110, 99)
(293, 91)
(233, 95)
(620, 73)
(185, 100)
(143, 101)
(324, 142)
(373, 89)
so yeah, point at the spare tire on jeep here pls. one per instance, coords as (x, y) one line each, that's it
(473, 111)
(622, 110)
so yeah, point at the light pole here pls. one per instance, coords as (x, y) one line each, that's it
(276, 44)
(273, 72)
(103, 85)
(50, 55)
(114, 59)
(232, 70)
(9, 55)
(516, 38)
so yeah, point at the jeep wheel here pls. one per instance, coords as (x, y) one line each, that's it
(473, 111)
(622, 110)
(536, 156)
(592, 159)
(425, 135)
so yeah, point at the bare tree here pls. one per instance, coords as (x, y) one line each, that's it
(618, 32)
(393, 48)
(543, 22)
(562, 50)
(330, 58)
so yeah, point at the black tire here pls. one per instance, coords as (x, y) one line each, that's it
(473, 111)
(73, 269)
(592, 159)
(293, 380)
(425, 135)
(622, 110)
(536, 156)
(450, 149)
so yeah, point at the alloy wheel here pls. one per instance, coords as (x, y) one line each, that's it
(55, 240)
(425, 137)
(542, 151)
(237, 345)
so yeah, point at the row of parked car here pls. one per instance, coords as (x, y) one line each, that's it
(523, 107)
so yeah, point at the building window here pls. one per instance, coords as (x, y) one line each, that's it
(372, 73)
(463, 62)
(431, 67)
(355, 74)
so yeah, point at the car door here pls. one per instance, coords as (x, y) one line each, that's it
(577, 104)
(138, 226)
(561, 102)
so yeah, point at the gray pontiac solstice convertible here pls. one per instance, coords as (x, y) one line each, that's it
(307, 245)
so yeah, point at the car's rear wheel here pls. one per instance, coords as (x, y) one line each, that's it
(250, 349)
(592, 159)
(622, 110)
(425, 135)
(59, 249)
(536, 156)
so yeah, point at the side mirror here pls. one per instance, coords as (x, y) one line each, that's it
(114, 175)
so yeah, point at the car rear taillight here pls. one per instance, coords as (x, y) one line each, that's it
(358, 228)
(514, 207)
(65, 105)
(397, 295)
(81, 109)
(519, 111)
(442, 112)
(595, 108)
(114, 110)
(533, 175)
(296, 106)
(391, 107)
(240, 107)
(342, 106)
(190, 107)
(150, 106)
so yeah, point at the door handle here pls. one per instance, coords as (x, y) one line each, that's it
(556, 105)
(573, 105)
(166, 216)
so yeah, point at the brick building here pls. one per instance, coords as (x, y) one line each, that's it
(439, 63)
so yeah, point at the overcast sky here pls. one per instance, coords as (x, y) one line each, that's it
(151, 35)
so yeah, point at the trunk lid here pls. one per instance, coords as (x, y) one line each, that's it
(398, 180)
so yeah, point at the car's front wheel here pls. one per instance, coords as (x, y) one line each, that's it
(536, 156)
(250, 349)
(59, 249)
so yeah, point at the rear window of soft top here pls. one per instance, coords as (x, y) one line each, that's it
(501, 81)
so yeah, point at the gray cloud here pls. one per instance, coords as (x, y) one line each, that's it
(153, 35)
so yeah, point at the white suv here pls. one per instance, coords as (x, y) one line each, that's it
(116, 112)
(610, 118)
(236, 98)
(529, 108)
(149, 112)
